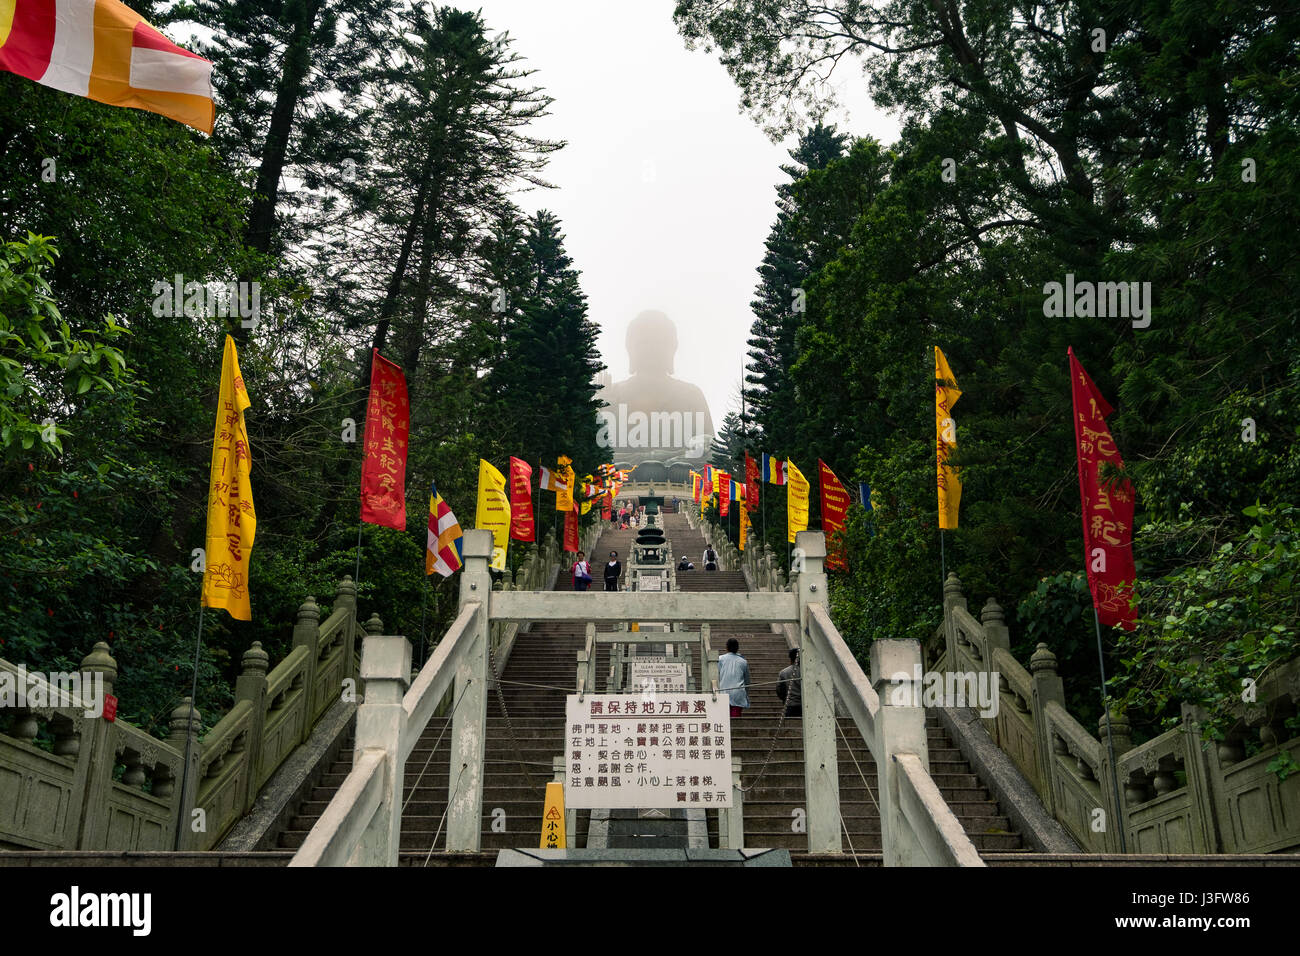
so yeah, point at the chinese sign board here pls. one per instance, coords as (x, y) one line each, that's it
(656, 677)
(625, 750)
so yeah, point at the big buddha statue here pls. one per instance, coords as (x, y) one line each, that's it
(654, 423)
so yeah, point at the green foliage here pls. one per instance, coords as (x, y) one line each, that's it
(1224, 619)
(43, 367)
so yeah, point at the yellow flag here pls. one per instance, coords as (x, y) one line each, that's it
(586, 506)
(493, 512)
(796, 501)
(946, 394)
(564, 496)
(231, 518)
(744, 527)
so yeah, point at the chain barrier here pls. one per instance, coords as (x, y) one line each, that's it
(501, 699)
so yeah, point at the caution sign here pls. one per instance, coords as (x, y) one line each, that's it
(553, 818)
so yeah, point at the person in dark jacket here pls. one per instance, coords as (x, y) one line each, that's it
(789, 686)
(613, 570)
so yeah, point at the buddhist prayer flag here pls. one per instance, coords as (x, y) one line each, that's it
(744, 527)
(105, 51)
(724, 493)
(835, 505)
(493, 512)
(773, 470)
(697, 486)
(864, 495)
(521, 501)
(946, 394)
(751, 483)
(231, 518)
(388, 426)
(444, 547)
(1107, 508)
(571, 530)
(796, 501)
(564, 484)
(550, 481)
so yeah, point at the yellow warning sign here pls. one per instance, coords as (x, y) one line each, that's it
(553, 818)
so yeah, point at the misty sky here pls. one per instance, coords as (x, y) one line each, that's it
(665, 190)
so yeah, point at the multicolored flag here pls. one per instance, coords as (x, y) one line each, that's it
(751, 483)
(796, 503)
(232, 521)
(946, 394)
(388, 428)
(724, 493)
(521, 501)
(835, 506)
(773, 470)
(105, 51)
(697, 486)
(1107, 505)
(445, 545)
(493, 513)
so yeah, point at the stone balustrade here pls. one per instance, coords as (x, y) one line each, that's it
(1180, 793)
(107, 785)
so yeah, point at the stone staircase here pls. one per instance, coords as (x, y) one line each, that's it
(541, 672)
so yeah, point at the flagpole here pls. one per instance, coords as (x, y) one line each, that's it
(189, 720)
(1110, 741)
(424, 594)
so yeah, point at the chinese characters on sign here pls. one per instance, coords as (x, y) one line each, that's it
(631, 752)
(388, 428)
(656, 677)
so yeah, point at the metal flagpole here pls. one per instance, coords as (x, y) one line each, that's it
(189, 720)
(1110, 741)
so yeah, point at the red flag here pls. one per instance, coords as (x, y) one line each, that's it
(724, 494)
(835, 504)
(1107, 509)
(571, 530)
(521, 501)
(607, 505)
(751, 483)
(388, 426)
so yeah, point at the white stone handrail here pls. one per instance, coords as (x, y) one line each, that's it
(338, 833)
(421, 702)
(854, 685)
(937, 829)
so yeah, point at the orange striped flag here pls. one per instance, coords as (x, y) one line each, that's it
(105, 51)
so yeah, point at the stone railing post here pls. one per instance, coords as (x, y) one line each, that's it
(1201, 782)
(469, 720)
(1120, 735)
(91, 793)
(952, 597)
(995, 630)
(306, 634)
(821, 759)
(900, 728)
(186, 724)
(346, 596)
(251, 686)
(1047, 687)
(381, 722)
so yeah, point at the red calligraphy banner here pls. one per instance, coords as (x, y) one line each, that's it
(1107, 504)
(724, 494)
(607, 505)
(835, 505)
(752, 481)
(571, 530)
(388, 428)
(521, 501)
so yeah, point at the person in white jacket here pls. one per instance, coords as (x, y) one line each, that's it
(733, 677)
